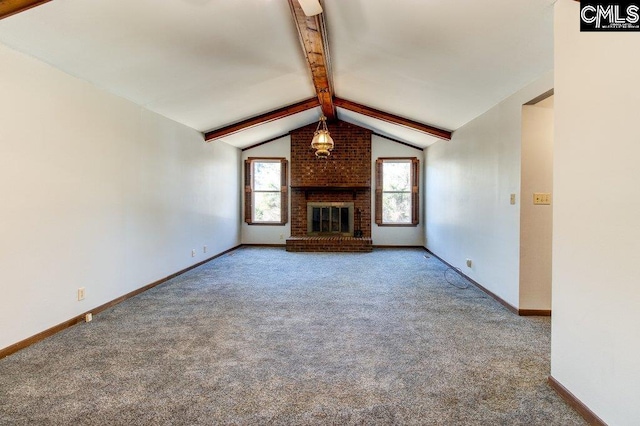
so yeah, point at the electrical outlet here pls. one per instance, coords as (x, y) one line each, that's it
(204, 249)
(193, 253)
(469, 263)
(81, 293)
(282, 236)
(512, 199)
(88, 317)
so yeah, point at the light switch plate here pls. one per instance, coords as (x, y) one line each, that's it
(541, 198)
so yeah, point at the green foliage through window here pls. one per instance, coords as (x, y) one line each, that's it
(266, 191)
(266, 196)
(397, 191)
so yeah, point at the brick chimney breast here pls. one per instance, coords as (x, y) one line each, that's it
(345, 176)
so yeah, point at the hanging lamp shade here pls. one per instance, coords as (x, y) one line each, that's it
(322, 141)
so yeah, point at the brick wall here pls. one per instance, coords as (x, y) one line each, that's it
(346, 174)
(348, 164)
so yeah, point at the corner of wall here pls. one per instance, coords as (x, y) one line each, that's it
(469, 182)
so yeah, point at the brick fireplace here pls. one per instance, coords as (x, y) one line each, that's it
(344, 178)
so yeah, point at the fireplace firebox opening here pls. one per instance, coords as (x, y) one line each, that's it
(330, 219)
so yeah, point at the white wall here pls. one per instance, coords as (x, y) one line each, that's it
(392, 235)
(381, 147)
(98, 193)
(595, 343)
(268, 234)
(468, 183)
(536, 220)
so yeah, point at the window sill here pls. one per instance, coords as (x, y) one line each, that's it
(267, 223)
(405, 225)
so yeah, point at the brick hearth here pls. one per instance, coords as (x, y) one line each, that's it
(338, 244)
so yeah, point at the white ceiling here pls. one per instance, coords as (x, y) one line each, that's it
(404, 134)
(210, 63)
(203, 63)
(440, 62)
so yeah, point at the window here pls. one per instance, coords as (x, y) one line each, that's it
(397, 202)
(265, 201)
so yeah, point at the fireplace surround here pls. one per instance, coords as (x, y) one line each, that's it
(342, 179)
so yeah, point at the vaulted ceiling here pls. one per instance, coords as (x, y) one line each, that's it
(211, 63)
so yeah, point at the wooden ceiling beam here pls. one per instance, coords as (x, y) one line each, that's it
(313, 38)
(261, 119)
(11, 7)
(393, 119)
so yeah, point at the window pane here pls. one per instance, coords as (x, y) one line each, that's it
(344, 219)
(396, 207)
(396, 176)
(325, 219)
(335, 219)
(315, 219)
(266, 207)
(266, 176)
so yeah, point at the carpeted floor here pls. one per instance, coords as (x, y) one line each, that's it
(262, 336)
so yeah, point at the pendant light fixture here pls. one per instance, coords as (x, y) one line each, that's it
(322, 141)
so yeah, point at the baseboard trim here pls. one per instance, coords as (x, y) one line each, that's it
(534, 312)
(384, 246)
(374, 246)
(575, 403)
(9, 350)
(480, 286)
